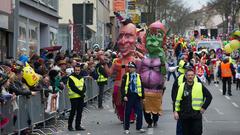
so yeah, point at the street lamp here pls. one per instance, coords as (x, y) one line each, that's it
(229, 23)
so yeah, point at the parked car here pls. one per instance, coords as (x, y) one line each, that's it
(211, 44)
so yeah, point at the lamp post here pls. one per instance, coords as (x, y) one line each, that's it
(84, 26)
(229, 24)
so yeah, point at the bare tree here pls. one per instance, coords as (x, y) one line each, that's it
(228, 9)
(173, 12)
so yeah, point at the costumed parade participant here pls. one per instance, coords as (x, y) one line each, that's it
(152, 70)
(126, 45)
(201, 70)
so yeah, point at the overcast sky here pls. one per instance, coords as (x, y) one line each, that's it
(195, 4)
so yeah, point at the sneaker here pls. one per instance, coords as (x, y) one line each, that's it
(229, 94)
(126, 132)
(141, 130)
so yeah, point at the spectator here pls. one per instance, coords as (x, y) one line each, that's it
(171, 69)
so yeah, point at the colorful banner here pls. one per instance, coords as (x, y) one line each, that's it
(118, 5)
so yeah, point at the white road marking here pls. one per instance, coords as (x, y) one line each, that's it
(220, 90)
(111, 110)
(107, 106)
(236, 105)
(205, 118)
(150, 131)
(218, 111)
(227, 97)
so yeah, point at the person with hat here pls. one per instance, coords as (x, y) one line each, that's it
(76, 89)
(132, 94)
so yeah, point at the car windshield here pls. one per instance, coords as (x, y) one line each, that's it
(216, 45)
(209, 45)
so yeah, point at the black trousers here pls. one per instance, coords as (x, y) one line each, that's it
(77, 105)
(151, 118)
(224, 87)
(100, 95)
(191, 126)
(134, 102)
(238, 84)
(169, 74)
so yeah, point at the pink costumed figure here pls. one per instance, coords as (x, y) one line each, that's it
(126, 46)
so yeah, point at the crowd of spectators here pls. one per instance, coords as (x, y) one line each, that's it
(51, 68)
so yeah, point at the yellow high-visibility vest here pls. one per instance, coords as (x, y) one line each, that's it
(197, 96)
(101, 78)
(180, 68)
(78, 83)
(139, 85)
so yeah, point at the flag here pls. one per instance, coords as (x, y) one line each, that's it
(75, 36)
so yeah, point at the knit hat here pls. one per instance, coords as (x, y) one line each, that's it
(23, 58)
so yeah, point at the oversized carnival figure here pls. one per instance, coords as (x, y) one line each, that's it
(152, 70)
(126, 46)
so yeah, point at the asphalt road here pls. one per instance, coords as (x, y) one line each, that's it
(221, 118)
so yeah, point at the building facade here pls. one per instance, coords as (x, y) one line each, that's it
(5, 33)
(98, 26)
(37, 24)
(206, 21)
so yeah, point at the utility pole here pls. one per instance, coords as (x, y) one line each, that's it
(15, 27)
(84, 27)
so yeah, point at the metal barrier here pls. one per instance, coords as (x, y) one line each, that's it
(32, 110)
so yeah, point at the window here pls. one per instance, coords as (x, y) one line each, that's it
(53, 4)
(3, 45)
(33, 37)
(53, 37)
(22, 37)
(28, 41)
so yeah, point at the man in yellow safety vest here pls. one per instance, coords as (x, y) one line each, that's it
(76, 90)
(101, 81)
(190, 103)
